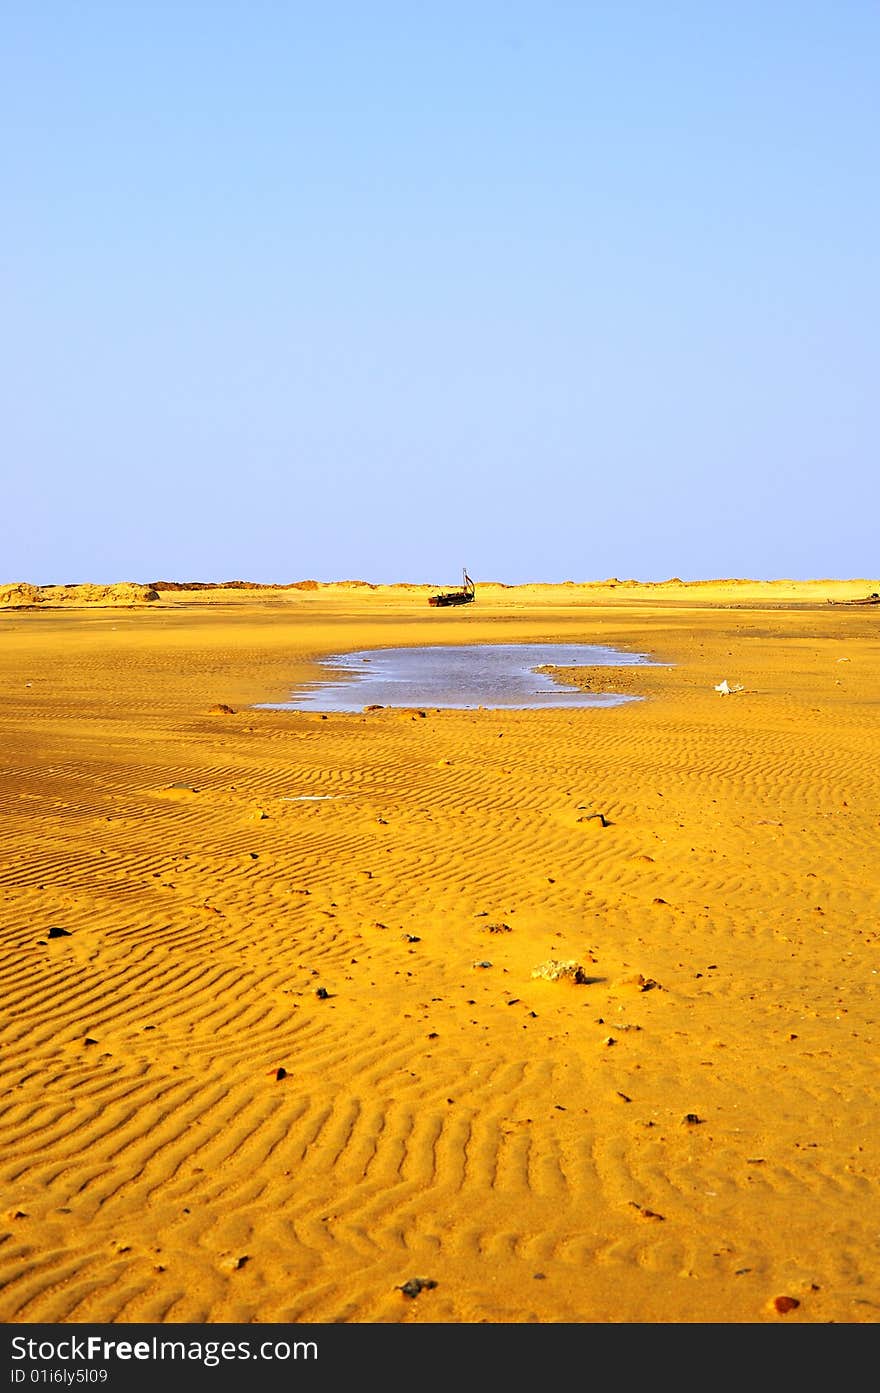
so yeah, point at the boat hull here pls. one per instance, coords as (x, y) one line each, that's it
(452, 598)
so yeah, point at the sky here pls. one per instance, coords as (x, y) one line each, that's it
(550, 291)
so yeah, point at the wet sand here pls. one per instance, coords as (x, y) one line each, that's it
(273, 1042)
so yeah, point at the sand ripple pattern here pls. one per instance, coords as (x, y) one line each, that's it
(288, 1050)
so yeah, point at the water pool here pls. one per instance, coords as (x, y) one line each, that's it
(458, 677)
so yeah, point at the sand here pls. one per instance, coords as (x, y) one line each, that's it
(370, 1018)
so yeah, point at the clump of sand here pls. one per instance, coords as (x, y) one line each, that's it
(555, 971)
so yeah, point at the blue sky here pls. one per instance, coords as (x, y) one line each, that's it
(376, 291)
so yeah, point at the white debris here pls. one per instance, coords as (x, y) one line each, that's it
(725, 688)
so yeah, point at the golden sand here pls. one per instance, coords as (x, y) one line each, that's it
(344, 1002)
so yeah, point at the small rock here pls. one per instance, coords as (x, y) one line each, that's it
(690, 1119)
(417, 1284)
(56, 932)
(784, 1304)
(281, 1072)
(233, 1263)
(322, 992)
(638, 980)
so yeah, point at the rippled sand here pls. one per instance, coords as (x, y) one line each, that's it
(272, 1040)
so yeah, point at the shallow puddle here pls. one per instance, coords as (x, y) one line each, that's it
(458, 677)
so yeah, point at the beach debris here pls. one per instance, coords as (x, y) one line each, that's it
(725, 688)
(646, 1213)
(322, 993)
(690, 1119)
(411, 938)
(415, 1285)
(221, 709)
(555, 970)
(599, 818)
(483, 963)
(784, 1304)
(57, 932)
(498, 929)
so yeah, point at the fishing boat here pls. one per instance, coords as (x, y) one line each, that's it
(464, 596)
